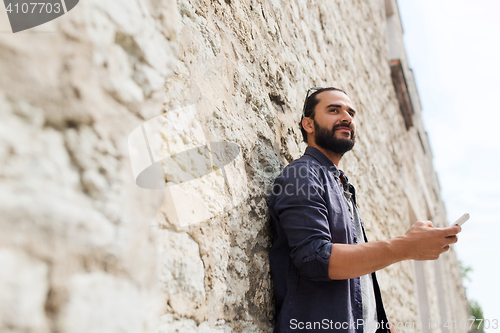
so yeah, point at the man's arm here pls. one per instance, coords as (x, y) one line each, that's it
(421, 242)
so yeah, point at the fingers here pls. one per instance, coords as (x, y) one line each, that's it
(452, 239)
(424, 224)
(453, 230)
(427, 242)
(431, 241)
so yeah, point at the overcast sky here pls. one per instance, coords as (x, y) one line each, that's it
(453, 47)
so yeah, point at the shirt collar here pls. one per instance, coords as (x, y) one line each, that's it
(321, 158)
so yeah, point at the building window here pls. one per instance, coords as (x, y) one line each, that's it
(402, 93)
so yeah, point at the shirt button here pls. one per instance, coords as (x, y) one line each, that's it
(359, 304)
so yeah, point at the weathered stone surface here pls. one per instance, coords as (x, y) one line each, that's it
(69, 97)
(181, 273)
(99, 302)
(24, 286)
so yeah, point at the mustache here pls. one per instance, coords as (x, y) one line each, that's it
(337, 126)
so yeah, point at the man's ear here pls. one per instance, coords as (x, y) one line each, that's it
(308, 125)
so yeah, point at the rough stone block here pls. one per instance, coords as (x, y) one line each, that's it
(23, 291)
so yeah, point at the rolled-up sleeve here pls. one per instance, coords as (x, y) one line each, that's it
(303, 215)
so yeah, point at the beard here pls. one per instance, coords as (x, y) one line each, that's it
(326, 138)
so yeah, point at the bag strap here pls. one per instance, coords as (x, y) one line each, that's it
(381, 315)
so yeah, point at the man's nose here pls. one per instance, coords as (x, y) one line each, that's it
(346, 117)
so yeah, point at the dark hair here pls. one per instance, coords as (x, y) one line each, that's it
(310, 106)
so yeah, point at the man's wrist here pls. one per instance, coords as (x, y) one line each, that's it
(399, 248)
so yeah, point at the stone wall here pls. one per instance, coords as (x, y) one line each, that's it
(87, 250)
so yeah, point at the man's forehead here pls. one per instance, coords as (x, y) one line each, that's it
(334, 97)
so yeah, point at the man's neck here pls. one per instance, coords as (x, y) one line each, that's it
(335, 158)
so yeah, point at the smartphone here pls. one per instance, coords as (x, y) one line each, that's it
(462, 219)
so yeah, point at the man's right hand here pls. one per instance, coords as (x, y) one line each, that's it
(424, 242)
(421, 242)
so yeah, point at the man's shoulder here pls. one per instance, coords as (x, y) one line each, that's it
(304, 167)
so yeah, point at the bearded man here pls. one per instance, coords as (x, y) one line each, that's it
(322, 264)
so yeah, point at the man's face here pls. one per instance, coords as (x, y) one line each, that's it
(334, 126)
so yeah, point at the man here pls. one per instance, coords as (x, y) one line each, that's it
(321, 262)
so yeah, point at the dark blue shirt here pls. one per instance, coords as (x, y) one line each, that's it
(309, 213)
